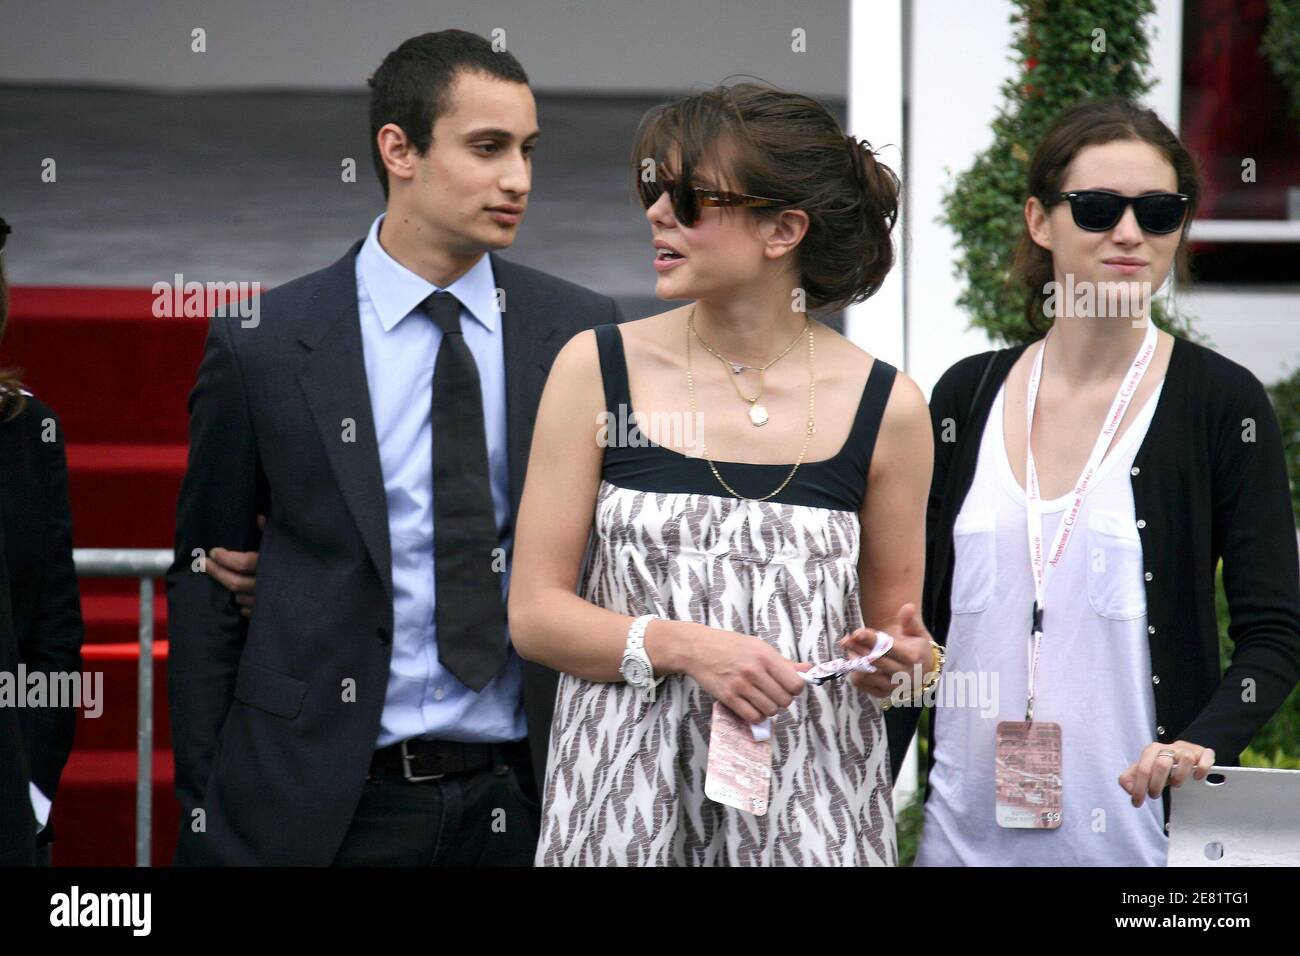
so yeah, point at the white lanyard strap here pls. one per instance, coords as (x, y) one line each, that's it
(1033, 501)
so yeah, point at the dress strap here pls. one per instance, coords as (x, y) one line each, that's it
(613, 370)
(871, 411)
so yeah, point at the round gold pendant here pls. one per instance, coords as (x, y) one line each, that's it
(758, 414)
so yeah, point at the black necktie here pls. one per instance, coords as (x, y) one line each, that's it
(470, 614)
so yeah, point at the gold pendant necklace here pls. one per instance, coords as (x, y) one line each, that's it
(812, 426)
(757, 413)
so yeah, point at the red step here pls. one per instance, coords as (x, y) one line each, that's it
(115, 727)
(114, 618)
(94, 810)
(110, 369)
(124, 495)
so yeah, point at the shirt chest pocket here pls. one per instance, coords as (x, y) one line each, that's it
(974, 538)
(1115, 588)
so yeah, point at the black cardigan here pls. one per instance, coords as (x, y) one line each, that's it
(1203, 491)
(45, 607)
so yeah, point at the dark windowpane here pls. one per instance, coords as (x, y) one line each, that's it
(1235, 108)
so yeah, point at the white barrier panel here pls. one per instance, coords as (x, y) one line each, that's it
(1236, 816)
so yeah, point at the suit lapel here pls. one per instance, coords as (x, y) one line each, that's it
(528, 333)
(333, 379)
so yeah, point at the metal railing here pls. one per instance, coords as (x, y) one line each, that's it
(145, 564)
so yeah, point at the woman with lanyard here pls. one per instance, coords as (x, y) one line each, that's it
(1078, 568)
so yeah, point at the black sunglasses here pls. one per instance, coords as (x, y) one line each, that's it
(1097, 210)
(4, 233)
(687, 201)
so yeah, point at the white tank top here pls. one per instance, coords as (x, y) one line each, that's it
(1094, 670)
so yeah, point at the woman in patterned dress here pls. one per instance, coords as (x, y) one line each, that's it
(761, 542)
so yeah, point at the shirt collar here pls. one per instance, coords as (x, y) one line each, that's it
(396, 291)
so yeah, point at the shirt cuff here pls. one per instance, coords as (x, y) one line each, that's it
(40, 806)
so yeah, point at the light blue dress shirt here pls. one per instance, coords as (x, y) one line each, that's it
(401, 344)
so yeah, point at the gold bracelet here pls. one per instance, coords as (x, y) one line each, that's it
(928, 679)
(938, 656)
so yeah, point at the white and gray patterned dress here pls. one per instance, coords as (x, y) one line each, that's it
(625, 778)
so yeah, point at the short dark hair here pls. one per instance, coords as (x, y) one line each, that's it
(788, 146)
(412, 87)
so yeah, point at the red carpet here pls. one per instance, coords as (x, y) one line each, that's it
(119, 379)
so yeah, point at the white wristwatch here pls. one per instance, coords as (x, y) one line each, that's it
(636, 668)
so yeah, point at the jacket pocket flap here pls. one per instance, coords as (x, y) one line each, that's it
(270, 690)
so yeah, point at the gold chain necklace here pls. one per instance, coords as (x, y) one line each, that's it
(757, 413)
(812, 426)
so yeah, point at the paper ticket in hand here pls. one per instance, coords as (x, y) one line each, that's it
(739, 773)
(832, 670)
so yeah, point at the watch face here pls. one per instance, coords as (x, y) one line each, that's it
(634, 671)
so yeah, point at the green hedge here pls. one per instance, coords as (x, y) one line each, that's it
(1286, 403)
(1281, 47)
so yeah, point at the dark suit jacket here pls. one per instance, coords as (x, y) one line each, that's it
(266, 746)
(17, 823)
(40, 608)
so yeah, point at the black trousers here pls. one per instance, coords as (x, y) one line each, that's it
(483, 818)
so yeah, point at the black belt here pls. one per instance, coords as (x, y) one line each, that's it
(419, 759)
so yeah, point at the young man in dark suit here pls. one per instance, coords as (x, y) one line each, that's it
(379, 413)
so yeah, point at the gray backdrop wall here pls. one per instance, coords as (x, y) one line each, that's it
(565, 45)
